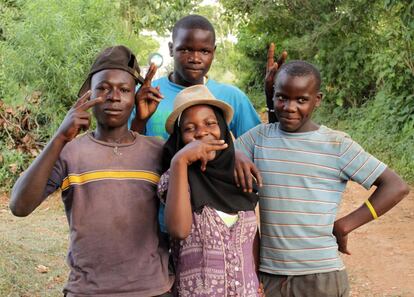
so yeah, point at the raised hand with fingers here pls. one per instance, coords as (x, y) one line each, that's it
(78, 118)
(147, 98)
(271, 69)
(245, 171)
(199, 150)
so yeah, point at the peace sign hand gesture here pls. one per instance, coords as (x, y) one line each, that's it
(147, 98)
(271, 69)
(78, 117)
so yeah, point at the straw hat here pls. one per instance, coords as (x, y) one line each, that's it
(196, 95)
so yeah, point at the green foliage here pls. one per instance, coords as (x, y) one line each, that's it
(47, 47)
(51, 46)
(159, 16)
(365, 51)
(13, 162)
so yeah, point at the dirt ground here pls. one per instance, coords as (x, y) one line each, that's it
(381, 264)
(382, 252)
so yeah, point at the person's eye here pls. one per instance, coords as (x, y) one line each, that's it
(302, 100)
(185, 50)
(125, 90)
(212, 123)
(103, 88)
(188, 129)
(205, 52)
(280, 98)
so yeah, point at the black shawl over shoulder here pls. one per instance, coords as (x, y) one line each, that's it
(215, 186)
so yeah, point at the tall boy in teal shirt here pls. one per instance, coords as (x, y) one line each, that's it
(192, 47)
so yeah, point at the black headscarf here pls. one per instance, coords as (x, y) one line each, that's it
(215, 186)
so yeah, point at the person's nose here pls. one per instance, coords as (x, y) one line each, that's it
(195, 57)
(200, 132)
(114, 94)
(289, 106)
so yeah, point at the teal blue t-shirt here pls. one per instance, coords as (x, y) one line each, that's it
(245, 116)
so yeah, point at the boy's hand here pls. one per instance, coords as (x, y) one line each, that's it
(261, 291)
(78, 118)
(244, 171)
(147, 98)
(271, 69)
(341, 239)
(199, 150)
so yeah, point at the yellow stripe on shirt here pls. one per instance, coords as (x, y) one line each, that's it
(79, 179)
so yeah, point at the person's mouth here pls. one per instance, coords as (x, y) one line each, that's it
(195, 70)
(112, 111)
(288, 119)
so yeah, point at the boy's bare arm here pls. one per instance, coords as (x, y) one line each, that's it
(390, 190)
(27, 192)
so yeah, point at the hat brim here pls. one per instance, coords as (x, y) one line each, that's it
(226, 108)
(87, 83)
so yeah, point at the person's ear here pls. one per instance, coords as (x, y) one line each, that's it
(319, 97)
(170, 47)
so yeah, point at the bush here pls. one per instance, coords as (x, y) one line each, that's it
(47, 48)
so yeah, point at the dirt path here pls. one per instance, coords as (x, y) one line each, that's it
(382, 260)
(381, 264)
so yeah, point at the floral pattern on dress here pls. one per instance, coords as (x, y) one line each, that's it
(214, 260)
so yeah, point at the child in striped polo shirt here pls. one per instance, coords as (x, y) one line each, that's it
(305, 168)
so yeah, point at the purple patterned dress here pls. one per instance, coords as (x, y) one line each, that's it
(215, 260)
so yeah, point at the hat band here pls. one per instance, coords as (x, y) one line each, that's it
(179, 119)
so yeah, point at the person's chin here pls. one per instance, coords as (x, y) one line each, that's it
(288, 128)
(194, 77)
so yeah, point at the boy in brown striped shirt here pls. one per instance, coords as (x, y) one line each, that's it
(108, 179)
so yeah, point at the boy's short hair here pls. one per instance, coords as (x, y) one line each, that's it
(301, 68)
(193, 21)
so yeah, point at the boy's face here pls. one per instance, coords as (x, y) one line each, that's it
(117, 88)
(295, 99)
(193, 53)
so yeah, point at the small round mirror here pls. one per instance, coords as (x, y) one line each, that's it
(156, 58)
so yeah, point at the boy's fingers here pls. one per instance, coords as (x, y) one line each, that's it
(248, 178)
(153, 97)
(282, 59)
(272, 73)
(236, 179)
(270, 54)
(156, 92)
(85, 106)
(215, 141)
(257, 176)
(150, 74)
(83, 115)
(346, 251)
(84, 124)
(203, 164)
(84, 98)
(241, 179)
(217, 147)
